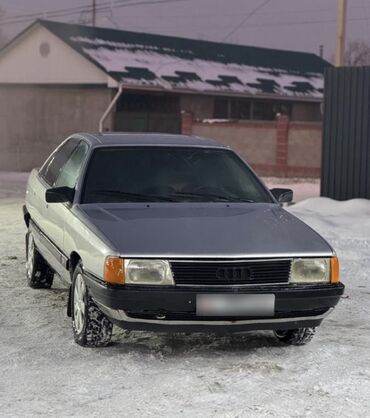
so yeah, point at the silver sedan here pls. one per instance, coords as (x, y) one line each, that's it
(173, 233)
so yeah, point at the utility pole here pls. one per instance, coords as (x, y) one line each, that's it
(93, 12)
(341, 32)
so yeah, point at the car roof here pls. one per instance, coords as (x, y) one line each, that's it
(146, 139)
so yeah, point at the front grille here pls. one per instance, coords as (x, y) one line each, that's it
(226, 273)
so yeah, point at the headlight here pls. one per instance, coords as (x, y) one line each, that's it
(310, 270)
(150, 272)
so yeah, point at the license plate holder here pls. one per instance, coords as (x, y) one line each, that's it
(253, 305)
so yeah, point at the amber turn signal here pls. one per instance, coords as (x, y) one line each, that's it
(334, 270)
(114, 270)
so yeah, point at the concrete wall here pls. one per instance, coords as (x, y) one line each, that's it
(35, 119)
(281, 148)
(255, 142)
(304, 145)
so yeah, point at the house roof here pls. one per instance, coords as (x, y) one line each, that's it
(142, 60)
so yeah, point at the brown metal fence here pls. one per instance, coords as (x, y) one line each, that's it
(345, 172)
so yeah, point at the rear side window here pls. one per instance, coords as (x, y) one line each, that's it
(53, 165)
(68, 175)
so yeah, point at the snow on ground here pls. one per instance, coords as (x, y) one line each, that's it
(12, 184)
(43, 372)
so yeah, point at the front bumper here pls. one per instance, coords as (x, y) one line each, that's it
(173, 309)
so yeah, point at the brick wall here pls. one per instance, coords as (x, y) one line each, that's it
(279, 148)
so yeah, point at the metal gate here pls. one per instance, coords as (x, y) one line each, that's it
(148, 112)
(147, 122)
(345, 169)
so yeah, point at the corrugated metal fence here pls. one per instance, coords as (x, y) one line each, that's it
(345, 172)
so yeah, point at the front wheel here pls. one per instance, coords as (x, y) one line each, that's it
(91, 328)
(39, 274)
(299, 336)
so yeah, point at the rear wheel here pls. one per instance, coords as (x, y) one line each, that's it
(39, 274)
(299, 336)
(91, 328)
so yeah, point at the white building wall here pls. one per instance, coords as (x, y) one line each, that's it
(35, 119)
(40, 57)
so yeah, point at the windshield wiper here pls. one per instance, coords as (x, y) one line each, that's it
(222, 198)
(143, 197)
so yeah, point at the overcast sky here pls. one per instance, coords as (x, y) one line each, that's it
(285, 24)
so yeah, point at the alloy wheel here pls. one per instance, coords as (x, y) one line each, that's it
(30, 256)
(79, 307)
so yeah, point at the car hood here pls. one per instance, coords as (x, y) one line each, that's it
(203, 230)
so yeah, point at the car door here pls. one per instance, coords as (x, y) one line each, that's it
(39, 182)
(57, 214)
(46, 179)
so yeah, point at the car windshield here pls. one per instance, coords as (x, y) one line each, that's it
(170, 174)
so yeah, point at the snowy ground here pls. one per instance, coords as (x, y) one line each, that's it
(43, 372)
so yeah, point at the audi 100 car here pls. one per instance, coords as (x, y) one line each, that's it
(173, 233)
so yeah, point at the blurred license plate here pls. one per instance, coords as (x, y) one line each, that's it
(235, 305)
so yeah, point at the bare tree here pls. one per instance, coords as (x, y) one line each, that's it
(357, 53)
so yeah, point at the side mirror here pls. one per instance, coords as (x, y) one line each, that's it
(283, 195)
(59, 195)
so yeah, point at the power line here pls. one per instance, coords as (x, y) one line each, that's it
(66, 11)
(34, 15)
(249, 15)
(306, 22)
(106, 6)
(102, 7)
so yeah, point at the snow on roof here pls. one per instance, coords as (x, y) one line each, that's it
(173, 64)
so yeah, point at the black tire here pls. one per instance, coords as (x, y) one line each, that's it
(91, 328)
(299, 336)
(38, 273)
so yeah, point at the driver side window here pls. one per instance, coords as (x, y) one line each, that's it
(69, 173)
(53, 165)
